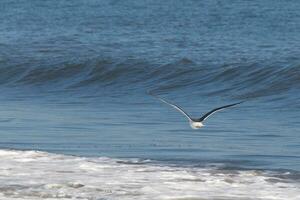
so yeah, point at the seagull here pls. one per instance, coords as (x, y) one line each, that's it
(196, 123)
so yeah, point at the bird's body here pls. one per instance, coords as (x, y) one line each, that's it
(196, 123)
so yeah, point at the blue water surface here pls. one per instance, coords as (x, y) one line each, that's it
(74, 77)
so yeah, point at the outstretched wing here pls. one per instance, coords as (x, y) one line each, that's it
(204, 117)
(174, 106)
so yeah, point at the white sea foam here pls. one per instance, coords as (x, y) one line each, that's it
(39, 175)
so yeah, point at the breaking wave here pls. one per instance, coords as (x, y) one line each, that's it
(69, 177)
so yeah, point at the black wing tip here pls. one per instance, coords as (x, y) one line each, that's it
(219, 108)
(151, 93)
(234, 104)
(239, 102)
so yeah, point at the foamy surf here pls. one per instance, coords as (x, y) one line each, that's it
(40, 175)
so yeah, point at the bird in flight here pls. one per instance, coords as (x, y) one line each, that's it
(196, 123)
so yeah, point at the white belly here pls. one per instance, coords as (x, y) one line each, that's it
(196, 125)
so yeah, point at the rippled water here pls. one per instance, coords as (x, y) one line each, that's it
(74, 78)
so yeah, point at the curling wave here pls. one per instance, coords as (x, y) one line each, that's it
(247, 80)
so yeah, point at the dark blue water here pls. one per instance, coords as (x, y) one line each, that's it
(74, 77)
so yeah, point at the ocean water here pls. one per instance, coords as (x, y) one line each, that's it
(77, 121)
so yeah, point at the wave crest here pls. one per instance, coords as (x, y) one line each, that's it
(250, 80)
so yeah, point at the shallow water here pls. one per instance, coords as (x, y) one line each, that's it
(74, 79)
(67, 177)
